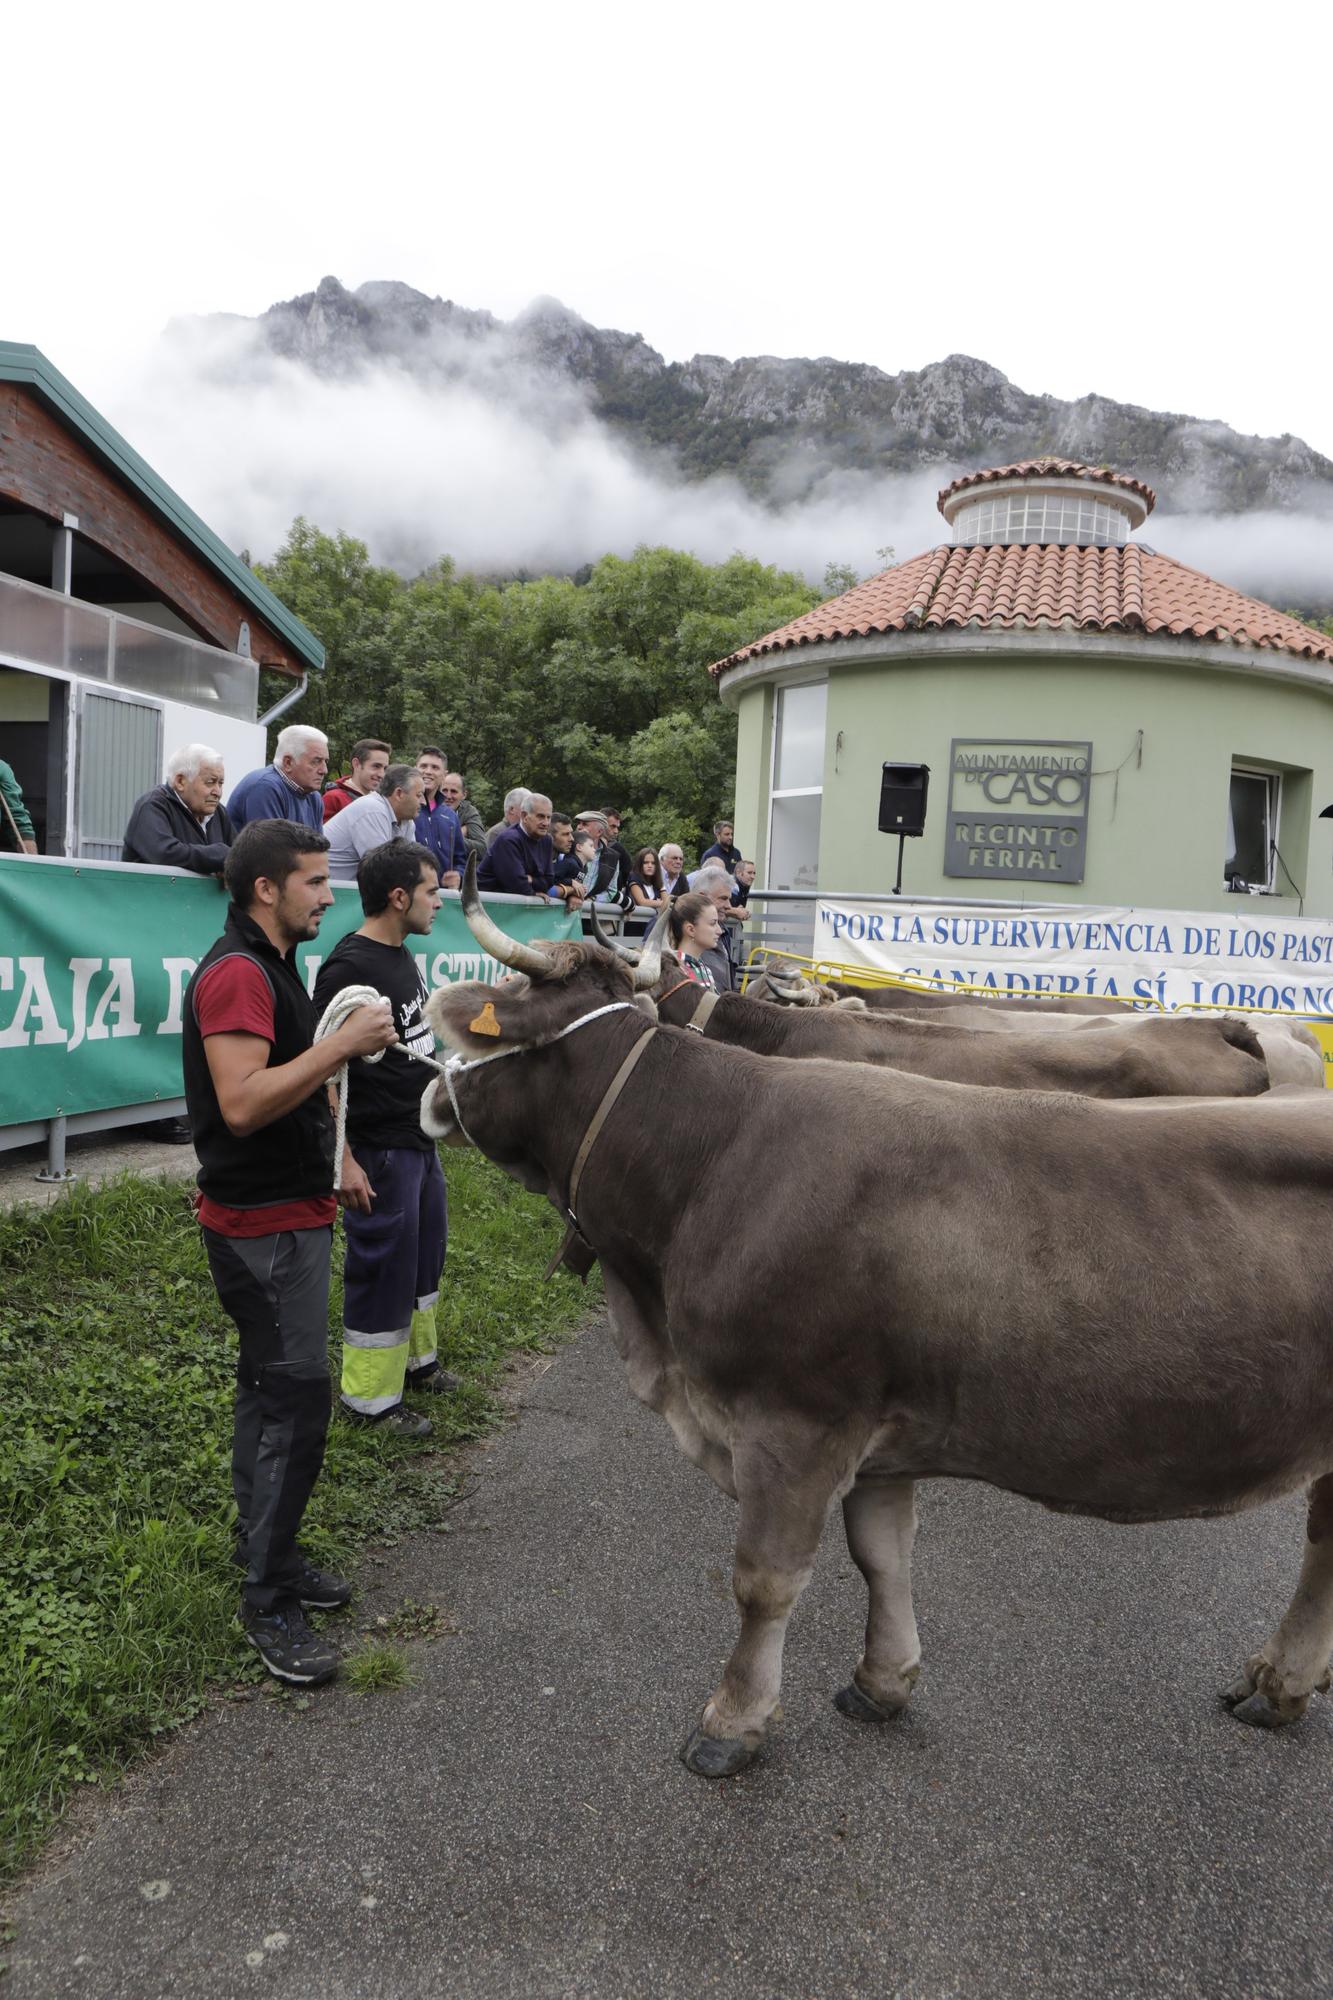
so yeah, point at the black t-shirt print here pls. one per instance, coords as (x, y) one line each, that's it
(384, 1098)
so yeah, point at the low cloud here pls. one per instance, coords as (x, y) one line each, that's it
(500, 464)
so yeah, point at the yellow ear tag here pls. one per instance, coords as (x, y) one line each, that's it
(485, 1023)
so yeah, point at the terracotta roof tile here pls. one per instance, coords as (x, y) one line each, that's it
(1022, 587)
(1050, 468)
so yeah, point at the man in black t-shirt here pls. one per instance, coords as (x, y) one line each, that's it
(395, 1252)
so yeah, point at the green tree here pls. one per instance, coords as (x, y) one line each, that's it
(347, 601)
(596, 692)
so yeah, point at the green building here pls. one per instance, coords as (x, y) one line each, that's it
(1101, 724)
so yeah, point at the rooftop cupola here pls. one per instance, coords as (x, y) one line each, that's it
(1045, 500)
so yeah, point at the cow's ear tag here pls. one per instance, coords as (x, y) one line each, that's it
(485, 1022)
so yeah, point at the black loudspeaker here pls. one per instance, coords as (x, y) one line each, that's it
(902, 799)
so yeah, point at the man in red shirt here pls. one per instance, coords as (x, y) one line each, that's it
(263, 1129)
(370, 760)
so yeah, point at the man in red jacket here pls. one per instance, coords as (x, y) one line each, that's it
(370, 760)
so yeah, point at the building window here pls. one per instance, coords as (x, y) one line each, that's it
(798, 786)
(1253, 810)
(1040, 517)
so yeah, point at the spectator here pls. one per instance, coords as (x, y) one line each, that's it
(741, 884)
(587, 860)
(437, 823)
(288, 788)
(370, 760)
(521, 858)
(715, 883)
(383, 815)
(672, 859)
(571, 856)
(265, 1138)
(646, 887)
(516, 804)
(454, 793)
(15, 819)
(608, 883)
(396, 1245)
(695, 930)
(182, 823)
(723, 849)
(614, 847)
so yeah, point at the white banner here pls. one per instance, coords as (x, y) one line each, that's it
(1176, 958)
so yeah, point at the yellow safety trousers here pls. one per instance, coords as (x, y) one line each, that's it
(374, 1374)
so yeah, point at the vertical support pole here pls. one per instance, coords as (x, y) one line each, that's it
(55, 1170)
(62, 555)
(898, 885)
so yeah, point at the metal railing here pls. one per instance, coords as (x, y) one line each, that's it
(43, 628)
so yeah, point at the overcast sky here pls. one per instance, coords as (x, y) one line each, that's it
(1127, 200)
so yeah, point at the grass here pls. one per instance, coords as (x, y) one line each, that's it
(375, 1667)
(117, 1594)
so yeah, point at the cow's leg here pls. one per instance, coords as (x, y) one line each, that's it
(1277, 1683)
(880, 1518)
(784, 1484)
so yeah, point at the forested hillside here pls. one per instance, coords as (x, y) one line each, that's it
(593, 691)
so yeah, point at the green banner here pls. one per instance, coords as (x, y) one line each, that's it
(95, 959)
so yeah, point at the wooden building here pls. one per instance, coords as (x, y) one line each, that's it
(126, 626)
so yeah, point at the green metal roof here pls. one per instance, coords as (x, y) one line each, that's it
(29, 366)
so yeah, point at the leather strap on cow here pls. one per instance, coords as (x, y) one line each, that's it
(575, 1252)
(699, 1018)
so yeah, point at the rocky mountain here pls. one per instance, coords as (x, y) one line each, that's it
(786, 429)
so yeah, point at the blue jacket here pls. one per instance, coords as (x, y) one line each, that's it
(517, 864)
(267, 795)
(437, 827)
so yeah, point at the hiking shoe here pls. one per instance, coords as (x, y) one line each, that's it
(406, 1423)
(288, 1647)
(321, 1590)
(435, 1382)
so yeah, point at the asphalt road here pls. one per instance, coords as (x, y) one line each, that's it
(1065, 1811)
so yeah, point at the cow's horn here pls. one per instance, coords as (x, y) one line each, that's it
(610, 940)
(648, 970)
(794, 991)
(510, 951)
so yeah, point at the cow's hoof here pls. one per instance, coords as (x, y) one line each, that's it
(855, 1702)
(1239, 1691)
(715, 1756)
(1259, 1712)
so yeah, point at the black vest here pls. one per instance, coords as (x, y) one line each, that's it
(291, 1159)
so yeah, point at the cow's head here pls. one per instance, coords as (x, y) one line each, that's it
(549, 986)
(786, 984)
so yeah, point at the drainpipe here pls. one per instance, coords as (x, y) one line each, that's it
(288, 701)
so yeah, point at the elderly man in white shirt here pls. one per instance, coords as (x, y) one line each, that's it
(386, 814)
(672, 859)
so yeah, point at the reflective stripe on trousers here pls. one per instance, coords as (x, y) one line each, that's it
(376, 1365)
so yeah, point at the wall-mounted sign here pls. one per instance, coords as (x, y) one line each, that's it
(1018, 812)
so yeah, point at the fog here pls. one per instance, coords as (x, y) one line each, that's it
(499, 463)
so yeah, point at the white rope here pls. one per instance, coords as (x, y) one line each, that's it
(351, 997)
(339, 1009)
(457, 1065)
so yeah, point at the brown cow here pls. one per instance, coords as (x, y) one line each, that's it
(924, 1000)
(1120, 1310)
(1288, 1046)
(1161, 1057)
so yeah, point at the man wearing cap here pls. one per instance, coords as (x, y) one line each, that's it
(606, 881)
